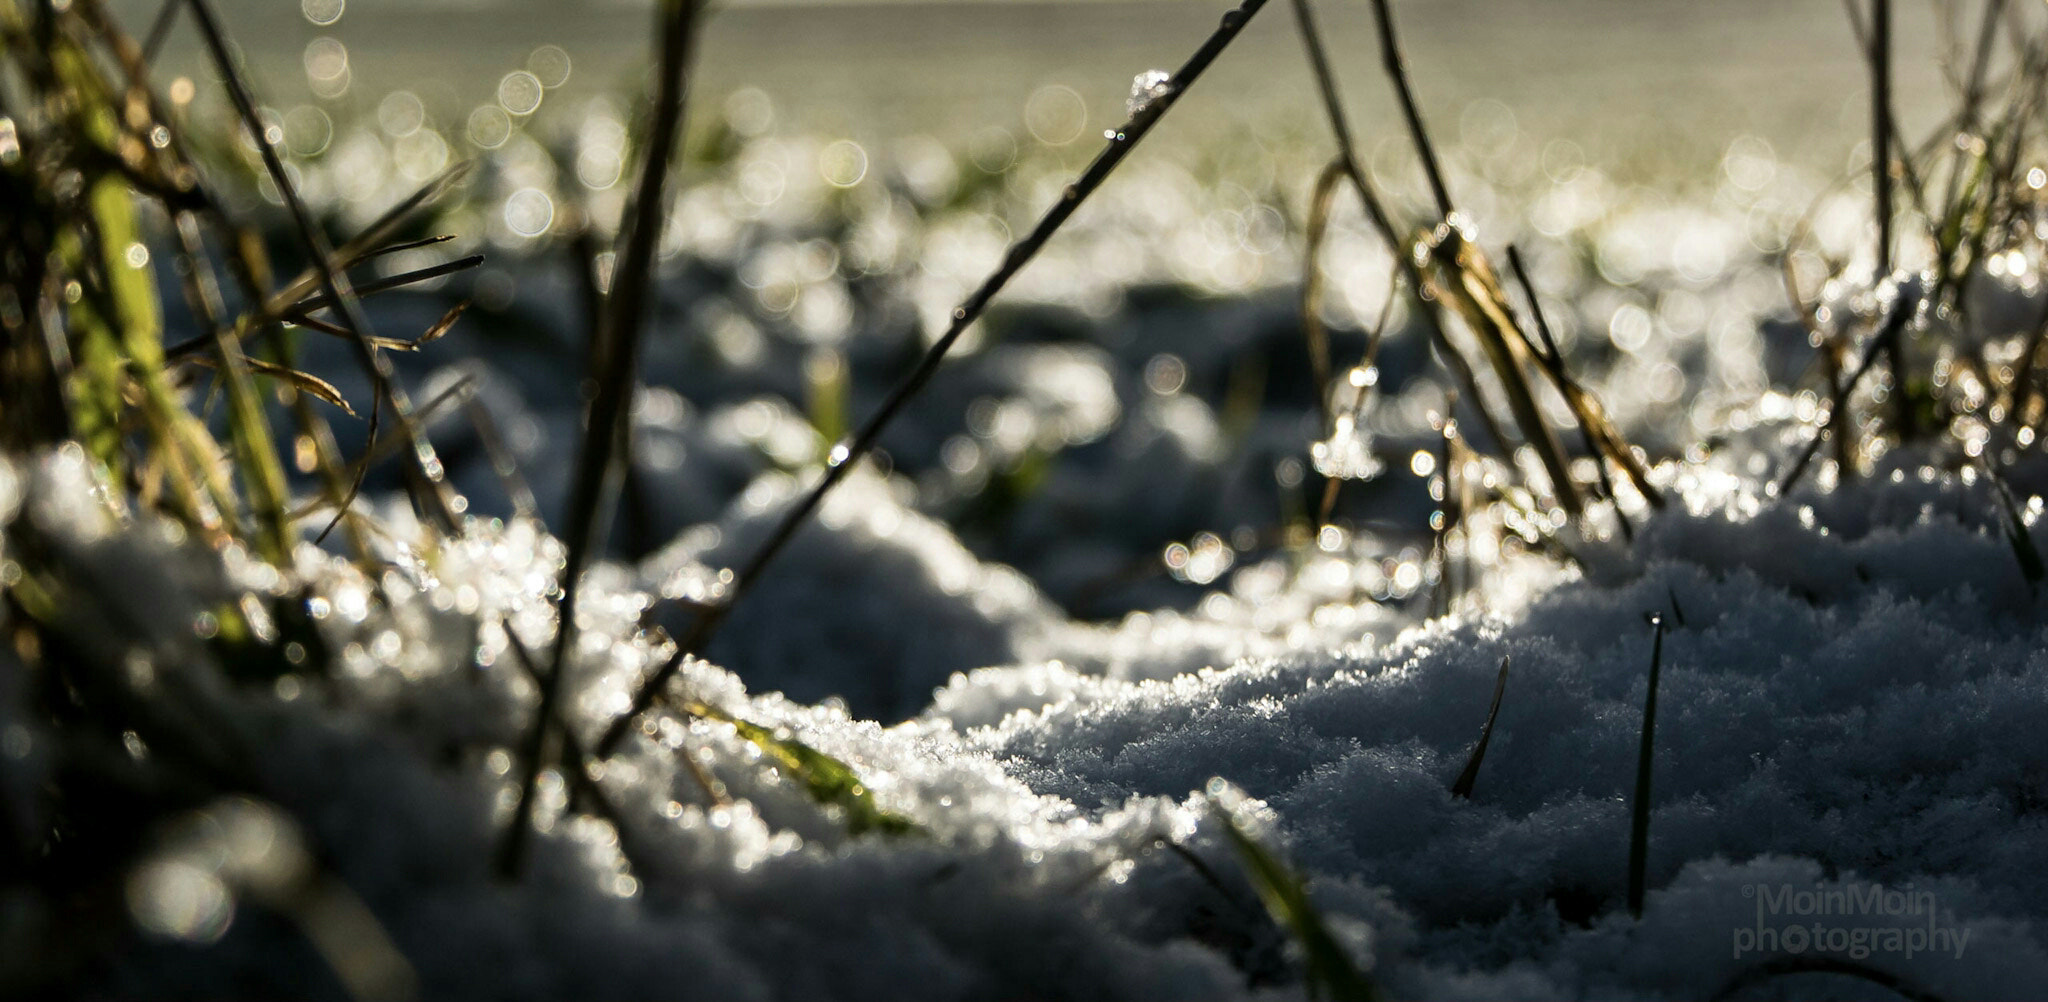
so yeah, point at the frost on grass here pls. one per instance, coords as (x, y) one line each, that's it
(1853, 696)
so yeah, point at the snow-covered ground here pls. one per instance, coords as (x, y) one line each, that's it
(1851, 690)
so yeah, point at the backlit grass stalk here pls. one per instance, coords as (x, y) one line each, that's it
(1397, 70)
(847, 455)
(1604, 442)
(1881, 192)
(616, 349)
(1462, 279)
(1329, 968)
(1401, 248)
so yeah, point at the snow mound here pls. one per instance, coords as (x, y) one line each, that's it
(1850, 699)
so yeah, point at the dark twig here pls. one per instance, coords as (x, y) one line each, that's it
(1639, 813)
(617, 346)
(1902, 310)
(1397, 68)
(160, 30)
(846, 456)
(1463, 787)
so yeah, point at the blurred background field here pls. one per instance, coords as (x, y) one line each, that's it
(853, 169)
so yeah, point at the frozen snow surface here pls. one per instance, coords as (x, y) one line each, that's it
(1852, 693)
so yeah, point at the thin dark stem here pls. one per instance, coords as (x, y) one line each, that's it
(846, 456)
(305, 307)
(1552, 361)
(301, 312)
(1639, 815)
(425, 468)
(578, 769)
(616, 346)
(1397, 68)
(1881, 190)
(1893, 327)
(1980, 63)
(160, 31)
(503, 462)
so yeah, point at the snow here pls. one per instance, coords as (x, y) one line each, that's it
(1852, 696)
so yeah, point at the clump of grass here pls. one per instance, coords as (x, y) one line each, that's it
(101, 187)
(1967, 382)
(1447, 272)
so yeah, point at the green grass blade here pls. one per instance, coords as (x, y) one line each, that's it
(827, 779)
(1329, 967)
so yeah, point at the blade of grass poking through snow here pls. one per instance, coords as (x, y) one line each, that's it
(828, 780)
(580, 774)
(1639, 810)
(2016, 532)
(1894, 325)
(1329, 967)
(616, 345)
(425, 468)
(1779, 967)
(846, 456)
(1463, 787)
